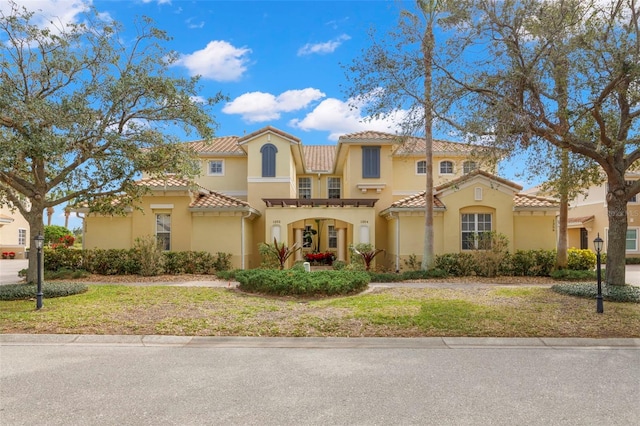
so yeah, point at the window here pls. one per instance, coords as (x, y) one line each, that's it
(304, 187)
(22, 237)
(371, 162)
(421, 167)
(216, 168)
(268, 160)
(446, 167)
(632, 240)
(163, 231)
(333, 237)
(333, 187)
(468, 167)
(473, 225)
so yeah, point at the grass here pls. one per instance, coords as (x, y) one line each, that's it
(398, 312)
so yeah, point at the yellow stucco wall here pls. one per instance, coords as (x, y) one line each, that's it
(233, 182)
(107, 232)
(534, 231)
(9, 233)
(219, 233)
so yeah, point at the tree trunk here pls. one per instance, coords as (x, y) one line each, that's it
(428, 259)
(561, 254)
(36, 227)
(616, 237)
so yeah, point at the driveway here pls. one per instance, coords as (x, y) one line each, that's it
(9, 269)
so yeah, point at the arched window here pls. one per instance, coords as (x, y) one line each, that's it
(446, 167)
(268, 160)
(468, 167)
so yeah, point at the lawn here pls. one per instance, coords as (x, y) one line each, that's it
(389, 312)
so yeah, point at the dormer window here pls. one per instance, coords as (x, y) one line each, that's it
(268, 160)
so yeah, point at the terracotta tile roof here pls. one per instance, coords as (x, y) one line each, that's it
(580, 219)
(268, 129)
(417, 201)
(527, 201)
(319, 158)
(473, 174)
(409, 145)
(216, 200)
(167, 182)
(224, 145)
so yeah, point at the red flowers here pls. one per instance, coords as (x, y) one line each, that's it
(8, 254)
(326, 257)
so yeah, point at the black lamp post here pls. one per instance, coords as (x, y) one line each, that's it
(39, 240)
(598, 245)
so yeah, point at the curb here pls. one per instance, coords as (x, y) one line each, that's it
(317, 342)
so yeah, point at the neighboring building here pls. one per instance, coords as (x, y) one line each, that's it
(588, 217)
(14, 233)
(365, 189)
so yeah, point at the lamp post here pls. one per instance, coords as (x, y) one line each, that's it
(597, 243)
(39, 240)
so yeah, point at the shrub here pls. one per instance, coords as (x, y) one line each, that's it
(631, 261)
(222, 262)
(615, 293)
(580, 259)
(53, 233)
(491, 254)
(62, 258)
(111, 262)
(385, 277)
(412, 263)
(339, 265)
(149, 255)
(268, 257)
(533, 263)
(571, 275)
(456, 264)
(421, 275)
(364, 254)
(299, 283)
(63, 273)
(49, 290)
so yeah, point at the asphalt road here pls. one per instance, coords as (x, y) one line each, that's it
(154, 380)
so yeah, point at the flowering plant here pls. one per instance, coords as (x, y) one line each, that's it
(8, 254)
(326, 257)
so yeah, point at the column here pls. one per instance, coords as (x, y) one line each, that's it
(298, 241)
(341, 244)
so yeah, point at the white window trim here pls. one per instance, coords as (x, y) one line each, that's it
(632, 228)
(209, 167)
(453, 167)
(24, 239)
(425, 168)
(310, 188)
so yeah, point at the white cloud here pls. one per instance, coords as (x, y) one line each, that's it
(157, 1)
(259, 106)
(219, 61)
(322, 48)
(338, 118)
(52, 14)
(192, 24)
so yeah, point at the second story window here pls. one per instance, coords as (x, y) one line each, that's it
(371, 162)
(22, 237)
(421, 167)
(268, 160)
(333, 187)
(446, 167)
(468, 167)
(216, 168)
(304, 187)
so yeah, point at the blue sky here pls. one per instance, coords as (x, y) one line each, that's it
(279, 62)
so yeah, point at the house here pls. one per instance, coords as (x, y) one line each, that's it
(367, 188)
(14, 232)
(588, 218)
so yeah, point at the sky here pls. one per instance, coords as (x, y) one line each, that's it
(280, 63)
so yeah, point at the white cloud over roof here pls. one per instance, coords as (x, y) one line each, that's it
(219, 61)
(259, 106)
